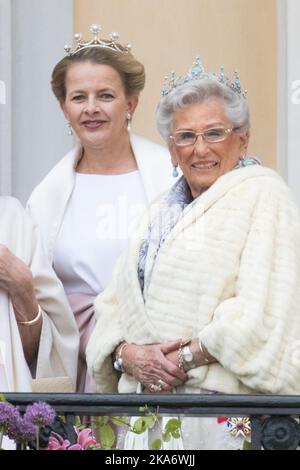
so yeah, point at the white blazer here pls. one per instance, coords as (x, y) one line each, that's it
(49, 199)
(59, 340)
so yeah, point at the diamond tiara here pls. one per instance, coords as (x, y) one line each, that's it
(96, 41)
(197, 72)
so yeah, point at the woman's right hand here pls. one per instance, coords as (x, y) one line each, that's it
(149, 365)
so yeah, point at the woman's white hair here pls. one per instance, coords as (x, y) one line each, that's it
(197, 91)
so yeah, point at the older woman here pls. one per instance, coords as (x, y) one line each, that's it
(216, 266)
(87, 204)
(38, 334)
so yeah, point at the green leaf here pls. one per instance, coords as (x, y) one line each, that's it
(77, 421)
(2, 397)
(143, 423)
(172, 428)
(107, 436)
(247, 445)
(119, 421)
(63, 418)
(176, 434)
(100, 421)
(143, 409)
(140, 425)
(156, 445)
(173, 425)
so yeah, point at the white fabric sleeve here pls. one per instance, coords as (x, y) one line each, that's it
(59, 340)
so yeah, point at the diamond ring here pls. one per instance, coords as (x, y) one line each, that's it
(155, 388)
(162, 383)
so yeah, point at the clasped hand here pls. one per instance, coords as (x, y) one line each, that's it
(155, 366)
(16, 279)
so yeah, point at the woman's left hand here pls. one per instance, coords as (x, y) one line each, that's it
(14, 274)
(17, 280)
(148, 364)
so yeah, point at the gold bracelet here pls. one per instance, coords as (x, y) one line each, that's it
(121, 348)
(204, 356)
(118, 350)
(180, 356)
(32, 322)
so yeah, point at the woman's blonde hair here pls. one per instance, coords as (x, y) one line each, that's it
(131, 71)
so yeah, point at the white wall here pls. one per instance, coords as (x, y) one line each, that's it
(33, 134)
(5, 108)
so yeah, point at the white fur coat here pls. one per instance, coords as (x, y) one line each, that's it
(228, 273)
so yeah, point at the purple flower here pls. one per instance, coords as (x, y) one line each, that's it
(22, 430)
(9, 415)
(40, 414)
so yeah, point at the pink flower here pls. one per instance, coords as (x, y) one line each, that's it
(56, 442)
(85, 438)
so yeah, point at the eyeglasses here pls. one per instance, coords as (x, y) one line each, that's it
(185, 138)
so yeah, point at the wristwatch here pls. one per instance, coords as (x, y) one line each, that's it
(187, 357)
(118, 365)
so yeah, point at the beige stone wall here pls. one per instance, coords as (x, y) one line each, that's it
(167, 34)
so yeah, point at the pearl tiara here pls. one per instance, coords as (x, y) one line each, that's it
(96, 41)
(197, 72)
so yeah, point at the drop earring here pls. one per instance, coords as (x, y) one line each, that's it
(128, 117)
(70, 130)
(175, 172)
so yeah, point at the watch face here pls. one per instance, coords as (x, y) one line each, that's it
(187, 354)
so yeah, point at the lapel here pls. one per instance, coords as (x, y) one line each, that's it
(153, 162)
(63, 177)
(147, 330)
